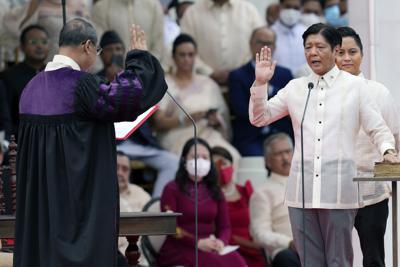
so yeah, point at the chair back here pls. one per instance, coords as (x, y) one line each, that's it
(151, 245)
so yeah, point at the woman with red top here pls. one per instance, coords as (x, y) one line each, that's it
(213, 221)
(237, 197)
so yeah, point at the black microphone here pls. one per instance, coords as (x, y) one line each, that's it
(310, 87)
(196, 227)
(64, 12)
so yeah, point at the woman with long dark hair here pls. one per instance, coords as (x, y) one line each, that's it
(213, 222)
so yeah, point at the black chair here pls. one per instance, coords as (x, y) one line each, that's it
(151, 245)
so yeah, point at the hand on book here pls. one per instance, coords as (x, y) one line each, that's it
(391, 158)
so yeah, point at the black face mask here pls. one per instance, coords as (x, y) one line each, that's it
(118, 60)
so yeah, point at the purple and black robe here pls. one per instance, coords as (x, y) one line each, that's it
(67, 209)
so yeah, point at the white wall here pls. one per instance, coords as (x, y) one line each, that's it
(380, 17)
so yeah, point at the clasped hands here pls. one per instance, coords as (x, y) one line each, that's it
(210, 244)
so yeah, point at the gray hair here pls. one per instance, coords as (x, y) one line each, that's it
(77, 31)
(272, 138)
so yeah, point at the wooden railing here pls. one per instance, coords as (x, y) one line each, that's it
(131, 225)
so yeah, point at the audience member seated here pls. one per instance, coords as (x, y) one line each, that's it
(48, 14)
(289, 50)
(213, 221)
(132, 198)
(335, 12)
(6, 259)
(200, 96)
(311, 13)
(247, 138)
(141, 145)
(237, 197)
(118, 15)
(272, 13)
(35, 45)
(222, 29)
(269, 217)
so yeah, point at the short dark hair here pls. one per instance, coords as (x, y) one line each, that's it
(331, 35)
(110, 37)
(77, 31)
(223, 152)
(25, 31)
(182, 38)
(350, 32)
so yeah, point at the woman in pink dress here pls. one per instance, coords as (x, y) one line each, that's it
(237, 197)
(213, 222)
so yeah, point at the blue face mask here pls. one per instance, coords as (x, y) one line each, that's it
(332, 16)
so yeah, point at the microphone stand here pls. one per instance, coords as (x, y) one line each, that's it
(196, 226)
(64, 12)
(310, 87)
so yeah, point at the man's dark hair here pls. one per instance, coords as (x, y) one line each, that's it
(25, 31)
(77, 31)
(350, 32)
(331, 35)
(220, 151)
(182, 38)
(110, 37)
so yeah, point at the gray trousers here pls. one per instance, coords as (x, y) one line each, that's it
(328, 236)
(165, 162)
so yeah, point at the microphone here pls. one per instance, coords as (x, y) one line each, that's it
(64, 12)
(310, 87)
(196, 227)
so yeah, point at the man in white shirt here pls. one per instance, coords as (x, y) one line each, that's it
(117, 14)
(132, 198)
(371, 220)
(337, 109)
(221, 29)
(288, 29)
(269, 217)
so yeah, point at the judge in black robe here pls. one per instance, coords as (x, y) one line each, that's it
(67, 209)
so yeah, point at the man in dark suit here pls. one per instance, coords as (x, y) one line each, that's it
(247, 138)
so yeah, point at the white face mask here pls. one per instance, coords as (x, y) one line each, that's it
(203, 167)
(310, 19)
(289, 17)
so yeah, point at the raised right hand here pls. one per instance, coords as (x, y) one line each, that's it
(265, 67)
(138, 38)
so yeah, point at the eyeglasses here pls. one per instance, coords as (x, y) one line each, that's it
(267, 43)
(98, 49)
(37, 41)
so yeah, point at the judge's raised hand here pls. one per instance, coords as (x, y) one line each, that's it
(138, 38)
(265, 67)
